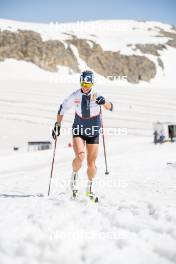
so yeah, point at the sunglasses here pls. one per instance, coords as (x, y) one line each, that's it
(86, 85)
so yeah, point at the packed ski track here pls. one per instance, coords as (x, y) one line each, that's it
(135, 219)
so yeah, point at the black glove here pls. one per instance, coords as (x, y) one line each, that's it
(100, 100)
(56, 131)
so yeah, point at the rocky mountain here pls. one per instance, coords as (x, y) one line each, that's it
(110, 48)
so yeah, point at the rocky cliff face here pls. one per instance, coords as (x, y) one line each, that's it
(28, 46)
(108, 63)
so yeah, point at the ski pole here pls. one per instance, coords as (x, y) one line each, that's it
(51, 174)
(104, 145)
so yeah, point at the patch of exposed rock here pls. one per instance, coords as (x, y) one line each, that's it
(150, 48)
(28, 46)
(172, 41)
(108, 63)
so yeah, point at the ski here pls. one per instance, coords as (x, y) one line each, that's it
(75, 196)
(173, 164)
(95, 200)
(92, 197)
(17, 195)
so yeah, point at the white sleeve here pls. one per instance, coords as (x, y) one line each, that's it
(67, 104)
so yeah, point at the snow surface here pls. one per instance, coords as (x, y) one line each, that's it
(136, 218)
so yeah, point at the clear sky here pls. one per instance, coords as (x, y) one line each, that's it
(83, 10)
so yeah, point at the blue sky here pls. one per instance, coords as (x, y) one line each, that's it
(83, 10)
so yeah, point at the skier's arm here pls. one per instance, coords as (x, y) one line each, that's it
(108, 106)
(66, 105)
(59, 118)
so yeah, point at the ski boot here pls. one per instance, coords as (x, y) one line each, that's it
(90, 194)
(74, 185)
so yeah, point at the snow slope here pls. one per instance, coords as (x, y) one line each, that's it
(136, 218)
(113, 35)
(30, 103)
(110, 34)
(134, 222)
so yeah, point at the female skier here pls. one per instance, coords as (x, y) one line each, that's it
(86, 129)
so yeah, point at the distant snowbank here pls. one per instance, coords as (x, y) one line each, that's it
(112, 35)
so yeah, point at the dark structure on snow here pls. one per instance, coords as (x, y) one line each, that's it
(39, 145)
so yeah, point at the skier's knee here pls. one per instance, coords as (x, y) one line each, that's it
(91, 164)
(81, 156)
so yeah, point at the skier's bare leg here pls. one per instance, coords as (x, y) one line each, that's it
(92, 152)
(78, 146)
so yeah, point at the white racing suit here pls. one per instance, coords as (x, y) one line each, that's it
(87, 121)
